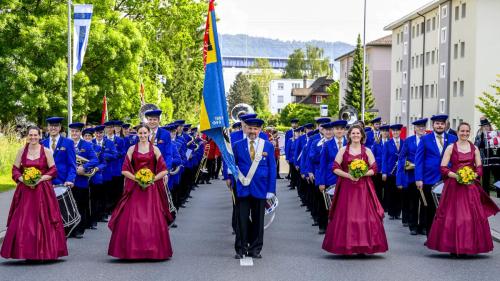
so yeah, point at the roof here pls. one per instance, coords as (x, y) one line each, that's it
(385, 41)
(415, 14)
(313, 89)
(301, 92)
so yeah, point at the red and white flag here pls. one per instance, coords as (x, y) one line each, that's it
(104, 116)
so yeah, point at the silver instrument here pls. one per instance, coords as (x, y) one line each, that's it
(80, 160)
(144, 108)
(436, 192)
(67, 205)
(239, 109)
(327, 196)
(270, 212)
(349, 114)
(171, 206)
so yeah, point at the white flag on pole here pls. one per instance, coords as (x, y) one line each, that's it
(82, 17)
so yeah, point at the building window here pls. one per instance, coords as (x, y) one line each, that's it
(441, 106)
(405, 77)
(434, 23)
(455, 51)
(397, 66)
(462, 88)
(281, 99)
(442, 70)
(421, 92)
(454, 88)
(318, 99)
(401, 35)
(433, 56)
(457, 13)
(398, 38)
(413, 32)
(443, 35)
(426, 91)
(397, 94)
(405, 48)
(432, 91)
(421, 60)
(416, 65)
(279, 110)
(462, 49)
(444, 12)
(427, 58)
(454, 125)
(281, 86)
(406, 29)
(411, 93)
(403, 106)
(428, 25)
(464, 10)
(412, 62)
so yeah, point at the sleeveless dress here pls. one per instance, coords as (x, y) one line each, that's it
(139, 223)
(356, 216)
(34, 226)
(461, 222)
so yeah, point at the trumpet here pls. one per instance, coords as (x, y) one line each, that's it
(81, 161)
(409, 166)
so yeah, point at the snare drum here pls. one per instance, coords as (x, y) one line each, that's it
(270, 212)
(436, 191)
(67, 204)
(327, 196)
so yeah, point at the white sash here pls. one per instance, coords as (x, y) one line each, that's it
(245, 181)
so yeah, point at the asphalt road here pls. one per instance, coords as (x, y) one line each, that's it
(203, 250)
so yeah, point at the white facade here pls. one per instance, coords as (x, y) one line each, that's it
(444, 56)
(280, 92)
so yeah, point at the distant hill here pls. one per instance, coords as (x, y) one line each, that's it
(243, 45)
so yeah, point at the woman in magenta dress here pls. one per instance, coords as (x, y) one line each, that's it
(34, 226)
(461, 226)
(356, 216)
(139, 223)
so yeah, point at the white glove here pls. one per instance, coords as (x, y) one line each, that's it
(269, 195)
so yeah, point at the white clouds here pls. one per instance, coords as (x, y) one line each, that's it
(329, 20)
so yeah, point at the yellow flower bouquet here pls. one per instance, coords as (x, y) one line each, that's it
(145, 177)
(31, 176)
(358, 168)
(466, 175)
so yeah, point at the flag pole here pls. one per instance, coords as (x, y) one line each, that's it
(364, 65)
(70, 94)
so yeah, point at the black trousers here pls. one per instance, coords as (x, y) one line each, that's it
(81, 196)
(294, 176)
(322, 212)
(427, 213)
(405, 198)
(211, 169)
(96, 202)
(218, 166)
(379, 189)
(252, 234)
(412, 199)
(116, 190)
(393, 197)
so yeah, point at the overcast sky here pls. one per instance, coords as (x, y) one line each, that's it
(329, 20)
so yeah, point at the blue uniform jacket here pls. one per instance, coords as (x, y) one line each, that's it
(109, 154)
(85, 149)
(163, 141)
(378, 149)
(390, 156)
(264, 180)
(305, 163)
(65, 160)
(176, 162)
(370, 138)
(288, 136)
(116, 163)
(428, 158)
(407, 153)
(130, 140)
(325, 174)
(98, 177)
(299, 145)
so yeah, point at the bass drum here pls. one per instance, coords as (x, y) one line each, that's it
(69, 211)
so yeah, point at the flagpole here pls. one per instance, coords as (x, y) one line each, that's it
(70, 94)
(364, 65)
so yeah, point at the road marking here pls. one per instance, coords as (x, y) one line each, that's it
(246, 261)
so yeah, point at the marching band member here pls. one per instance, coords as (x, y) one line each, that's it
(96, 187)
(81, 188)
(297, 155)
(117, 125)
(405, 176)
(129, 139)
(116, 163)
(254, 156)
(378, 149)
(390, 156)
(427, 163)
(34, 225)
(294, 173)
(332, 142)
(461, 223)
(488, 142)
(109, 155)
(63, 150)
(139, 223)
(305, 172)
(356, 216)
(373, 135)
(294, 124)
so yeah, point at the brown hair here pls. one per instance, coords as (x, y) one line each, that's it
(138, 127)
(363, 134)
(463, 124)
(33, 127)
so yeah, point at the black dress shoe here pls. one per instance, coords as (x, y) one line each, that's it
(190, 196)
(321, 231)
(291, 188)
(255, 256)
(93, 227)
(405, 224)
(392, 218)
(173, 225)
(77, 235)
(413, 232)
(238, 256)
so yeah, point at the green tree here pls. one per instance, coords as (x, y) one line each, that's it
(490, 106)
(258, 102)
(316, 64)
(240, 91)
(355, 82)
(296, 65)
(333, 101)
(261, 74)
(305, 113)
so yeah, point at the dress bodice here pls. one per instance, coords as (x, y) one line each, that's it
(144, 160)
(40, 163)
(459, 159)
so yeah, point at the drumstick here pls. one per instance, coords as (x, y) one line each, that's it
(423, 197)
(232, 196)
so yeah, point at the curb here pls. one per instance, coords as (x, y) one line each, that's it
(2, 235)
(494, 234)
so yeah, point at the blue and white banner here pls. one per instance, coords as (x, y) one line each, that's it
(82, 17)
